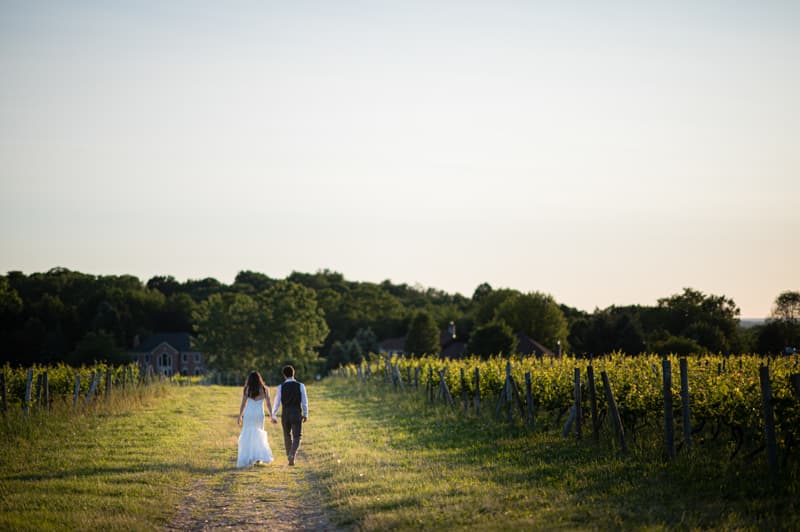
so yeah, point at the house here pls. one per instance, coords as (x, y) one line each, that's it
(529, 347)
(169, 354)
(392, 346)
(449, 347)
(453, 347)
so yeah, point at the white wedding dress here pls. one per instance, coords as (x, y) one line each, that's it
(253, 442)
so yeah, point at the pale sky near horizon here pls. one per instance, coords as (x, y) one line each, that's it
(604, 153)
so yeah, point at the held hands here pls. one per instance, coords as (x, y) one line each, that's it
(274, 421)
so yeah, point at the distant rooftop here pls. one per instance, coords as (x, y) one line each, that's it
(180, 341)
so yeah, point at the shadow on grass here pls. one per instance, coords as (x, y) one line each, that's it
(85, 472)
(593, 485)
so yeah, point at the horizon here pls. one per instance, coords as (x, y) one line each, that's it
(602, 154)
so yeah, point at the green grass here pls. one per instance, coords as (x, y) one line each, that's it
(116, 467)
(126, 465)
(390, 461)
(371, 458)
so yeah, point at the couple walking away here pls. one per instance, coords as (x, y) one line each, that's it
(291, 395)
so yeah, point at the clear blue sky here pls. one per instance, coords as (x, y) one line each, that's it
(604, 153)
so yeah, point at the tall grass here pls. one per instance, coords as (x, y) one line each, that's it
(120, 463)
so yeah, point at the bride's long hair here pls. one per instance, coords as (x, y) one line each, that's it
(254, 385)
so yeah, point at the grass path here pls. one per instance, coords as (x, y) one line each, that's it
(273, 496)
(166, 462)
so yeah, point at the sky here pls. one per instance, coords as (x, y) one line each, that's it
(606, 153)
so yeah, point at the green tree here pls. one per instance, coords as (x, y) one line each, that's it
(176, 315)
(423, 335)
(279, 325)
(481, 291)
(366, 305)
(202, 289)
(678, 345)
(354, 352)
(367, 340)
(99, 346)
(493, 338)
(606, 331)
(770, 338)
(107, 319)
(292, 325)
(227, 326)
(337, 355)
(166, 284)
(782, 329)
(537, 315)
(711, 321)
(489, 303)
(787, 307)
(252, 282)
(10, 302)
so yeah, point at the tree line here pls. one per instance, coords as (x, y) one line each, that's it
(323, 318)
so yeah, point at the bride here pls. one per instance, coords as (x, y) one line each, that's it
(253, 442)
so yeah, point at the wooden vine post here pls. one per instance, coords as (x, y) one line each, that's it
(769, 422)
(92, 387)
(614, 412)
(444, 391)
(77, 391)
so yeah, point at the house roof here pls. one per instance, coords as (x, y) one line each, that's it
(445, 338)
(528, 346)
(179, 341)
(393, 344)
(454, 350)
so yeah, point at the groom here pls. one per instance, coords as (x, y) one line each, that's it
(292, 395)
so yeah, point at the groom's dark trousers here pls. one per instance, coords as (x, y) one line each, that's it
(291, 417)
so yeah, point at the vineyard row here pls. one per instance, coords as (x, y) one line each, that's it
(756, 399)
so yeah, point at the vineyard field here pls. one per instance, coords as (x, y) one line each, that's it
(724, 391)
